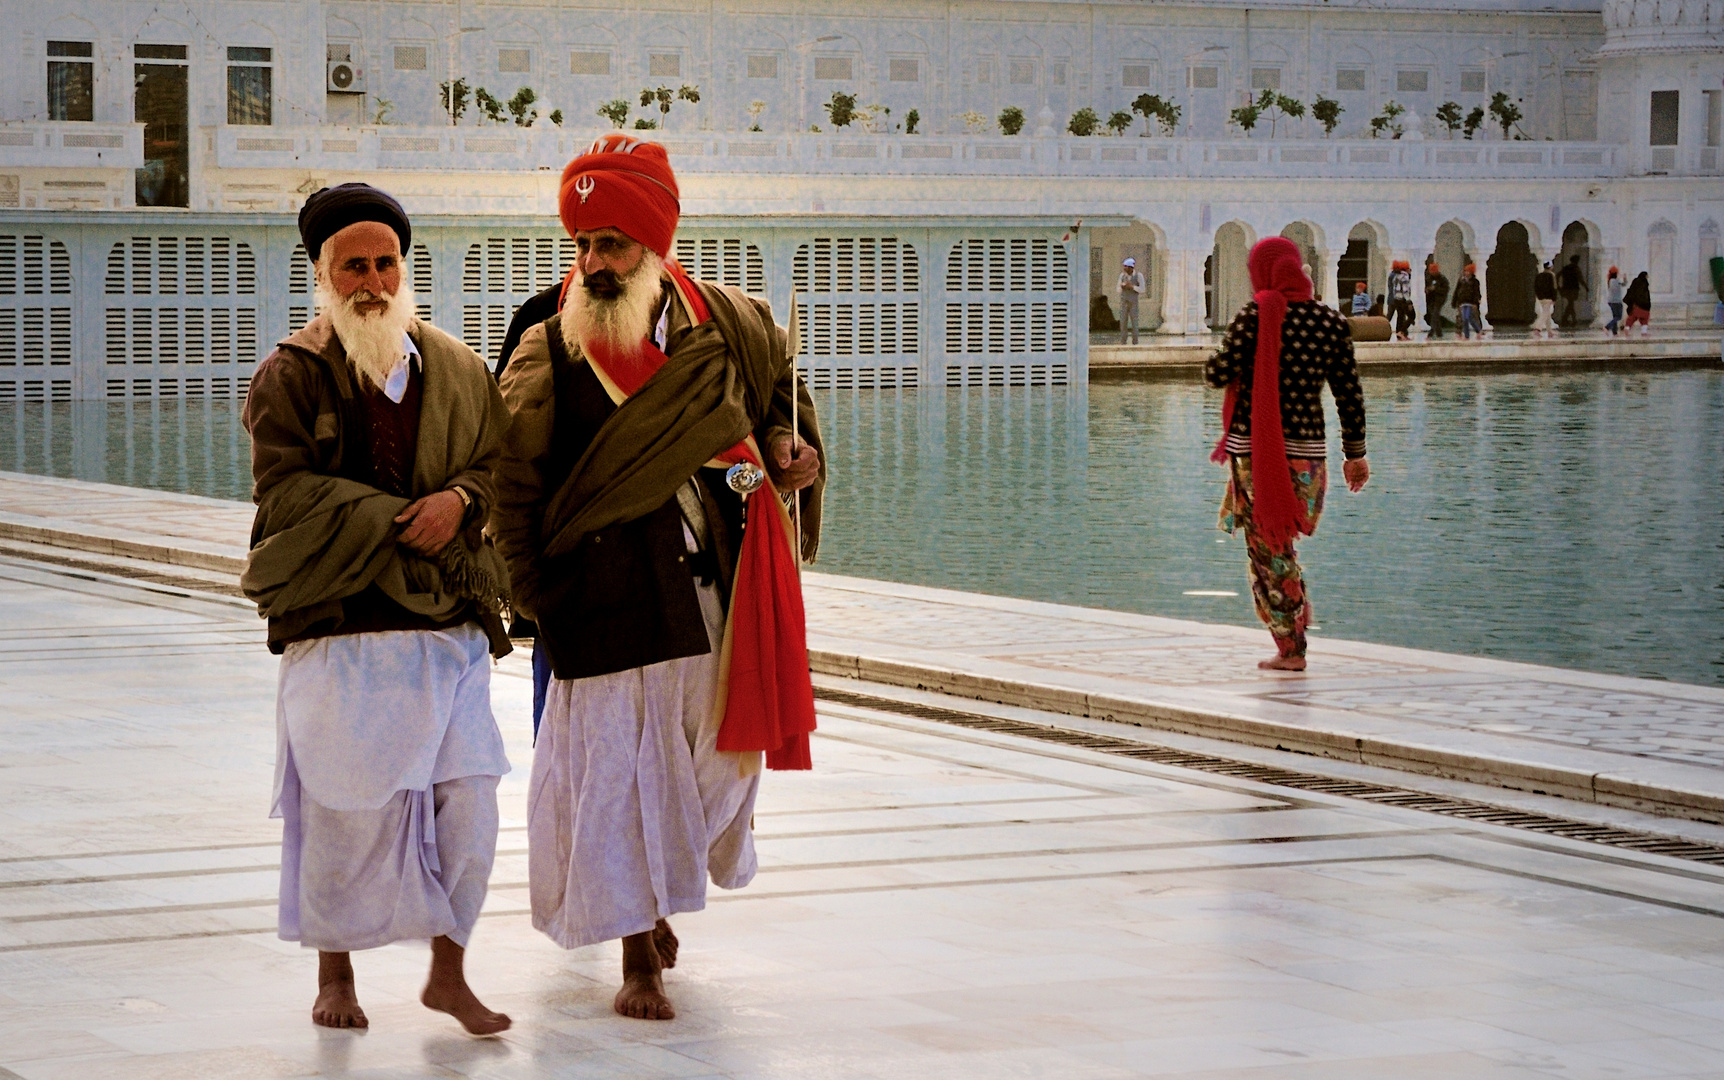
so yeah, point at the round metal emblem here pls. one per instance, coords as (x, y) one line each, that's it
(745, 477)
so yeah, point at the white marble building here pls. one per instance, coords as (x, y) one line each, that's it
(152, 156)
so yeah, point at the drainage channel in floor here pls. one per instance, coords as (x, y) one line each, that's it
(1449, 806)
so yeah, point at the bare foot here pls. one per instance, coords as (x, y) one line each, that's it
(665, 942)
(447, 991)
(642, 995)
(1283, 663)
(337, 1003)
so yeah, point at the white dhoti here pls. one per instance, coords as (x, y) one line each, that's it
(631, 806)
(387, 763)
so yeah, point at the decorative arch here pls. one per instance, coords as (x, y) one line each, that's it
(593, 34)
(844, 44)
(413, 29)
(1364, 259)
(905, 43)
(1141, 49)
(164, 31)
(1142, 240)
(71, 26)
(1454, 246)
(1710, 246)
(1415, 56)
(1509, 272)
(1268, 53)
(517, 33)
(1661, 241)
(335, 26)
(252, 34)
(1583, 238)
(1227, 279)
(1464, 231)
(1308, 237)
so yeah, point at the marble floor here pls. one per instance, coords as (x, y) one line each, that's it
(1636, 743)
(933, 902)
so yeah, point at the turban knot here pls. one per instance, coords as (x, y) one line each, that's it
(625, 184)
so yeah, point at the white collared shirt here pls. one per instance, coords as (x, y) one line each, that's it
(395, 387)
(663, 328)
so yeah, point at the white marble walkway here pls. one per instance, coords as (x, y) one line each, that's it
(1624, 742)
(933, 903)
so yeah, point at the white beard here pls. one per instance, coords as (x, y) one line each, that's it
(619, 325)
(372, 342)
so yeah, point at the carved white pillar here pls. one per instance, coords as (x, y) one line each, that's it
(1173, 291)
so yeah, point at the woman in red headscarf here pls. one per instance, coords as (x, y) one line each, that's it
(1280, 350)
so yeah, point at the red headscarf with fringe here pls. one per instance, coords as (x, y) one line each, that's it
(1276, 280)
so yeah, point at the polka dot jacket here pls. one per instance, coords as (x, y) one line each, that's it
(1316, 348)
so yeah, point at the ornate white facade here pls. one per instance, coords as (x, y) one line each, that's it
(948, 255)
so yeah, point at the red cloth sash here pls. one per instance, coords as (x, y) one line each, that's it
(770, 704)
(1278, 278)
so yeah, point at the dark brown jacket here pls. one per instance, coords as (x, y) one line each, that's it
(318, 495)
(622, 594)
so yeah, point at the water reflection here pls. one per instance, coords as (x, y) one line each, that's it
(193, 445)
(1572, 520)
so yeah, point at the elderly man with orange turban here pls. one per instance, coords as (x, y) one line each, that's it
(640, 511)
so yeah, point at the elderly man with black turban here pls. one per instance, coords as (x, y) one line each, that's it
(656, 422)
(373, 439)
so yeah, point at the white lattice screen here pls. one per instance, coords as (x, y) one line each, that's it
(35, 319)
(1008, 313)
(501, 274)
(301, 291)
(181, 317)
(726, 260)
(860, 300)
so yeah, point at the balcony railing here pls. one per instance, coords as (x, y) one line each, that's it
(50, 144)
(509, 149)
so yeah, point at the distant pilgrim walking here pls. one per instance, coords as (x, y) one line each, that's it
(639, 511)
(1544, 299)
(1131, 286)
(1639, 301)
(373, 437)
(1279, 351)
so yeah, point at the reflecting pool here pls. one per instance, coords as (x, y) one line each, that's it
(1574, 520)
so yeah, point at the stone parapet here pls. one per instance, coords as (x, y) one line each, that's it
(490, 150)
(1662, 26)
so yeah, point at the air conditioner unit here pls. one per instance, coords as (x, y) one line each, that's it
(345, 78)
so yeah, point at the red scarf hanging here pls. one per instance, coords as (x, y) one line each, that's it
(770, 704)
(1277, 278)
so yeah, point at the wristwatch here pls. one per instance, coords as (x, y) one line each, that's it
(466, 500)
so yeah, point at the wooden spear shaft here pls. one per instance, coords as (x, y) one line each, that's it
(793, 345)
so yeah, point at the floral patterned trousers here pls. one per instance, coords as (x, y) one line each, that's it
(1277, 584)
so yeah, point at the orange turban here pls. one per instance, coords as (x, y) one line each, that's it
(624, 184)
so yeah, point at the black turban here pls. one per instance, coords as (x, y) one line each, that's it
(332, 209)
